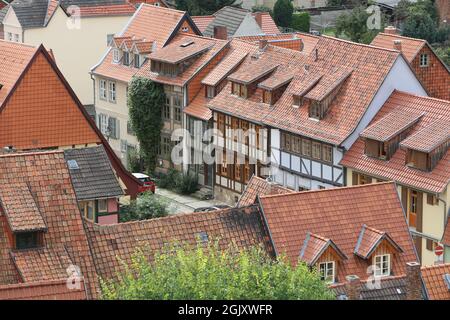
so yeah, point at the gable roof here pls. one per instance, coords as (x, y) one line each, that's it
(410, 46)
(369, 239)
(94, 178)
(242, 227)
(428, 138)
(229, 17)
(338, 214)
(314, 246)
(225, 67)
(47, 175)
(42, 290)
(257, 187)
(436, 286)
(395, 169)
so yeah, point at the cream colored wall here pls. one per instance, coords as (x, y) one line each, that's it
(11, 24)
(77, 47)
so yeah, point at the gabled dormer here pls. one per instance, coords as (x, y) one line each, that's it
(140, 49)
(305, 85)
(426, 147)
(377, 248)
(274, 87)
(322, 95)
(383, 137)
(173, 59)
(323, 254)
(244, 82)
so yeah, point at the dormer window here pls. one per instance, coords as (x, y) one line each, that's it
(126, 58)
(298, 101)
(239, 89)
(210, 91)
(327, 271)
(267, 96)
(28, 240)
(137, 60)
(185, 29)
(316, 110)
(116, 55)
(382, 265)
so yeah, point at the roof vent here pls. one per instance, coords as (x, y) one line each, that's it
(186, 44)
(73, 164)
(447, 280)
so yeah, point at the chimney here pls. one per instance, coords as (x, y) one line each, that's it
(262, 44)
(391, 30)
(398, 45)
(413, 281)
(220, 32)
(258, 18)
(353, 287)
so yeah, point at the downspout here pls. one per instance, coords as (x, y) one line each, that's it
(95, 95)
(445, 212)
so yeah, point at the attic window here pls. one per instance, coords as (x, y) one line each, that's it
(382, 265)
(447, 280)
(28, 240)
(185, 29)
(186, 44)
(72, 164)
(327, 271)
(239, 89)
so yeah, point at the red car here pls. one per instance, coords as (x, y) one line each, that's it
(149, 184)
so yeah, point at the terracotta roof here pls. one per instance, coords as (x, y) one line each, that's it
(391, 125)
(410, 46)
(369, 239)
(329, 82)
(435, 284)
(395, 169)
(430, 137)
(339, 214)
(276, 81)
(181, 49)
(268, 26)
(126, 9)
(250, 72)
(259, 187)
(43, 290)
(202, 21)
(47, 176)
(225, 67)
(242, 227)
(14, 59)
(20, 208)
(446, 237)
(198, 107)
(314, 246)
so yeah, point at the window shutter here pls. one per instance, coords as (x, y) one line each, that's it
(117, 128)
(354, 178)
(405, 199)
(419, 211)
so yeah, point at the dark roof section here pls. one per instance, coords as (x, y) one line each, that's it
(30, 13)
(229, 17)
(91, 173)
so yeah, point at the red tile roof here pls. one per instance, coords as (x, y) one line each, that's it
(410, 46)
(181, 49)
(202, 21)
(126, 9)
(446, 237)
(430, 137)
(268, 26)
(48, 178)
(391, 125)
(198, 107)
(339, 214)
(254, 70)
(43, 290)
(369, 239)
(243, 227)
(259, 187)
(395, 169)
(433, 278)
(314, 246)
(225, 67)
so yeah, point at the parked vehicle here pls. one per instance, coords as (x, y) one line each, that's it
(149, 183)
(212, 208)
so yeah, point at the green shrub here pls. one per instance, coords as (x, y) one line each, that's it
(186, 183)
(134, 160)
(282, 13)
(169, 180)
(208, 273)
(301, 21)
(146, 206)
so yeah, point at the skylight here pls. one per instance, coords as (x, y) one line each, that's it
(73, 164)
(447, 280)
(186, 44)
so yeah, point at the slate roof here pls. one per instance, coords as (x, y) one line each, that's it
(395, 169)
(228, 17)
(243, 227)
(433, 278)
(47, 175)
(94, 178)
(257, 186)
(339, 214)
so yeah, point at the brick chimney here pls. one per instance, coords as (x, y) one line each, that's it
(220, 32)
(262, 44)
(258, 18)
(391, 30)
(413, 281)
(353, 287)
(398, 45)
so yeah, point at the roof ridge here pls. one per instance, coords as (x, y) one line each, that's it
(161, 8)
(30, 153)
(419, 96)
(329, 189)
(436, 266)
(19, 44)
(403, 37)
(361, 44)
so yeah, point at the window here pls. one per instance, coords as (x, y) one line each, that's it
(314, 110)
(10, 36)
(102, 205)
(296, 144)
(166, 112)
(165, 146)
(137, 61)
(237, 172)
(123, 146)
(130, 128)
(424, 60)
(177, 114)
(126, 58)
(286, 142)
(27, 240)
(306, 147)
(16, 37)
(109, 38)
(224, 166)
(432, 199)
(113, 128)
(239, 90)
(382, 265)
(103, 123)
(210, 91)
(185, 29)
(87, 210)
(116, 55)
(326, 271)
(316, 150)
(247, 172)
(177, 101)
(102, 90)
(112, 91)
(327, 153)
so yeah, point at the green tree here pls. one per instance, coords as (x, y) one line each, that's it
(444, 54)
(207, 273)
(262, 9)
(204, 7)
(282, 13)
(146, 206)
(353, 25)
(145, 101)
(301, 21)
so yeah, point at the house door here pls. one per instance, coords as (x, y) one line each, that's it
(412, 202)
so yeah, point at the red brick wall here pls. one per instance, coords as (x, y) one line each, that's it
(435, 77)
(41, 113)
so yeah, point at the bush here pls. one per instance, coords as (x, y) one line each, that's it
(168, 180)
(301, 21)
(186, 183)
(282, 13)
(260, 8)
(208, 273)
(146, 206)
(135, 161)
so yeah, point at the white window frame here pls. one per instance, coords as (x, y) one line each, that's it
(112, 91)
(10, 36)
(123, 146)
(16, 37)
(424, 60)
(103, 123)
(379, 260)
(102, 89)
(100, 207)
(116, 55)
(326, 269)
